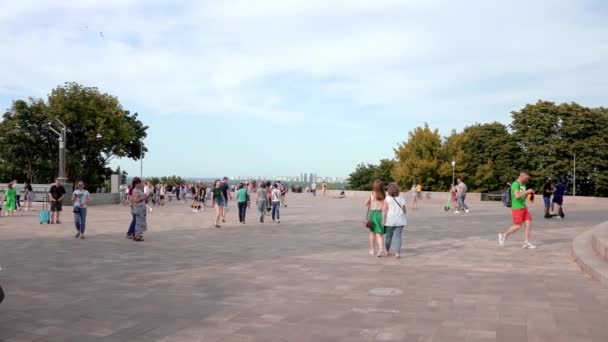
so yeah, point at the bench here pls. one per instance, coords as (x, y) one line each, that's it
(491, 196)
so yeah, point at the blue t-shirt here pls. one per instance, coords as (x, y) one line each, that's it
(560, 190)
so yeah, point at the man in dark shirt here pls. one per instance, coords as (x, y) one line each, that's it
(56, 195)
(225, 188)
(547, 192)
(558, 198)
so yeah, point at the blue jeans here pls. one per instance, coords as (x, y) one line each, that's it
(396, 232)
(547, 202)
(131, 230)
(80, 219)
(275, 210)
(461, 204)
(261, 209)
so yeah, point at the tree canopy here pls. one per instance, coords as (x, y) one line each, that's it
(542, 137)
(98, 129)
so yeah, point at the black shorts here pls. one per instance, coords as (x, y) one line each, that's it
(162, 197)
(56, 206)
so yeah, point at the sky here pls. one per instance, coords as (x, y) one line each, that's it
(277, 88)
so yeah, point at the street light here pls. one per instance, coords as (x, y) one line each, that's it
(141, 159)
(453, 166)
(574, 178)
(62, 140)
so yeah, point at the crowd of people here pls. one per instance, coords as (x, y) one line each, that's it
(386, 217)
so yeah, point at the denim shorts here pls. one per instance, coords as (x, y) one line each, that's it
(220, 202)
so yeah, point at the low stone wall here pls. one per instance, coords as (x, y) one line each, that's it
(471, 197)
(590, 251)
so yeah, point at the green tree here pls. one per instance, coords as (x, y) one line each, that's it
(98, 129)
(384, 171)
(418, 159)
(363, 177)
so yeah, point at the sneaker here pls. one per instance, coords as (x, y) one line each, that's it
(77, 236)
(528, 245)
(371, 252)
(501, 239)
(82, 237)
(397, 256)
(195, 211)
(278, 221)
(466, 211)
(380, 254)
(457, 212)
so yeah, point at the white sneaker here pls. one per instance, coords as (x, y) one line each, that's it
(466, 211)
(195, 211)
(501, 239)
(457, 212)
(371, 252)
(528, 245)
(278, 221)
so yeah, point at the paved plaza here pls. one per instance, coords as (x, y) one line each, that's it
(309, 278)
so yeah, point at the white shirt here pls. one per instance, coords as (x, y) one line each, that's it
(276, 195)
(82, 197)
(395, 216)
(313, 186)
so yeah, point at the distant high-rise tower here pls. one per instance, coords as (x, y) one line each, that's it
(311, 178)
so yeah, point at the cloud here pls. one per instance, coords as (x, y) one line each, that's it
(428, 58)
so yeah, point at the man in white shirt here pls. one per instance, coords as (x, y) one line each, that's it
(313, 188)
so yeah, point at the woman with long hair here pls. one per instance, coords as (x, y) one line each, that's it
(138, 209)
(10, 196)
(394, 218)
(376, 204)
(29, 195)
(218, 200)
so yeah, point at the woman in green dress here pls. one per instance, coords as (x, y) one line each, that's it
(376, 205)
(10, 200)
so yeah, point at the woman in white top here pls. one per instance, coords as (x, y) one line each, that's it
(394, 218)
(80, 198)
(414, 197)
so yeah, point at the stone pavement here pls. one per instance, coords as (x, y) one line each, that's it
(307, 279)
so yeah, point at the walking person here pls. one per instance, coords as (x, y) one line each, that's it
(414, 197)
(558, 198)
(29, 196)
(148, 193)
(284, 189)
(376, 205)
(242, 200)
(225, 187)
(520, 213)
(547, 192)
(131, 230)
(275, 194)
(262, 196)
(18, 189)
(394, 219)
(9, 196)
(56, 195)
(219, 201)
(138, 209)
(461, 192)
(268, 198)
(313, 188)
(80, 199)
(324, 188)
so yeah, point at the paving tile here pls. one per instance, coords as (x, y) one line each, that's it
(308, 279)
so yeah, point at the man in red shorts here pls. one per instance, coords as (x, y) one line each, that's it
(520, 212)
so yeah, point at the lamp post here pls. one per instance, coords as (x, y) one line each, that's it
(141, 160)
(574, 178)
(62, 140)
(453, 167)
